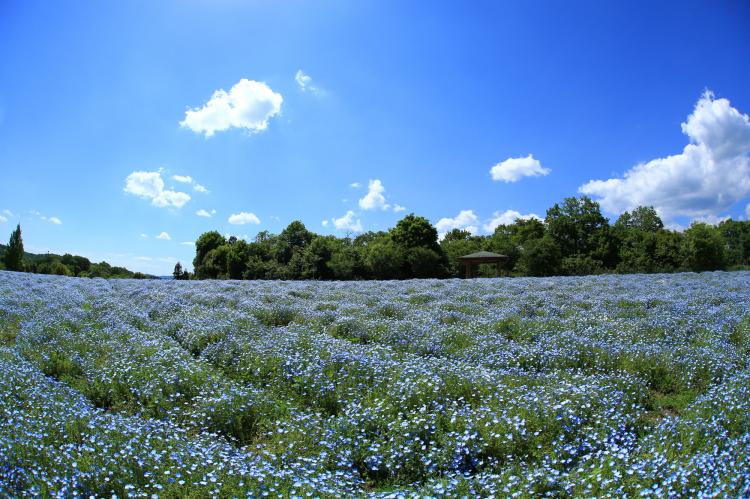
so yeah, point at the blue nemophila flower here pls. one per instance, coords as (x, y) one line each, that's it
(606, 386)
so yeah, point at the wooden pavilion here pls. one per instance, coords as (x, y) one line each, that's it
(482, 257)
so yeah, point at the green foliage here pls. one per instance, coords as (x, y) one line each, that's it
(346, 263)
(424, 262)
(71, 265)
(385, 260)
(581, 265)
(214, 263)
(577, 226)
(293, 238)
(13, 258)
(9, 328)
(642, 219)
(415, 232)
(705, 248)
(668, 252)
(740, 335)
(276, 317)
(206, 242)
(180, 274)
(736, 237)
(574, 239)
(540, 257)
(237, 256)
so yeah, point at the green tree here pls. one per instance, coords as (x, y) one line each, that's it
(237, 256)
(578, 227)
(510, 240)
(385, 260)
(13, 257)
(424, 262)
(415, 232)
(294, 237)
(206, 243)
(540, 257)
(704, 248)
(636, 235)
(59, 268)
(215, 263)
(736, 236)
(643, 218)
(668, 252)
(346, 262)
(179, 273)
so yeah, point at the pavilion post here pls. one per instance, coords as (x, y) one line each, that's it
(481, 257)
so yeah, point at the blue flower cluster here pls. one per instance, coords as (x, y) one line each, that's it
(604, 386)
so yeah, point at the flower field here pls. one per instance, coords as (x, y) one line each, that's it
(576, 386)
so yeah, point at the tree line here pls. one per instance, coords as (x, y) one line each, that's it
(573, 239)
(13, 257)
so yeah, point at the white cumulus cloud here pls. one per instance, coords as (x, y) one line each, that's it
(249, 104)
(243, 218)
(347, 222)
(397, 208)
(465, 220)
(514, 169)
(188, 243)
(710, 174)
(324, 223)
(150, 185)
(506, 217)
(374, 199)
(3, 219)
(164, 236)
(199, 188)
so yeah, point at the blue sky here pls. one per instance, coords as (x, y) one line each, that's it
(466, 113)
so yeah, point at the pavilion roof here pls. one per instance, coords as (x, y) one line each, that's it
(482, 255)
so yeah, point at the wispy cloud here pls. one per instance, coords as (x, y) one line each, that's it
(305, 83)
(205, 213)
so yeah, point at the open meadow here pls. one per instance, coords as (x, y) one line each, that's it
(567, 386)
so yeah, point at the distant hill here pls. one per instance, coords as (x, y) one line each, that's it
(73, 265)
